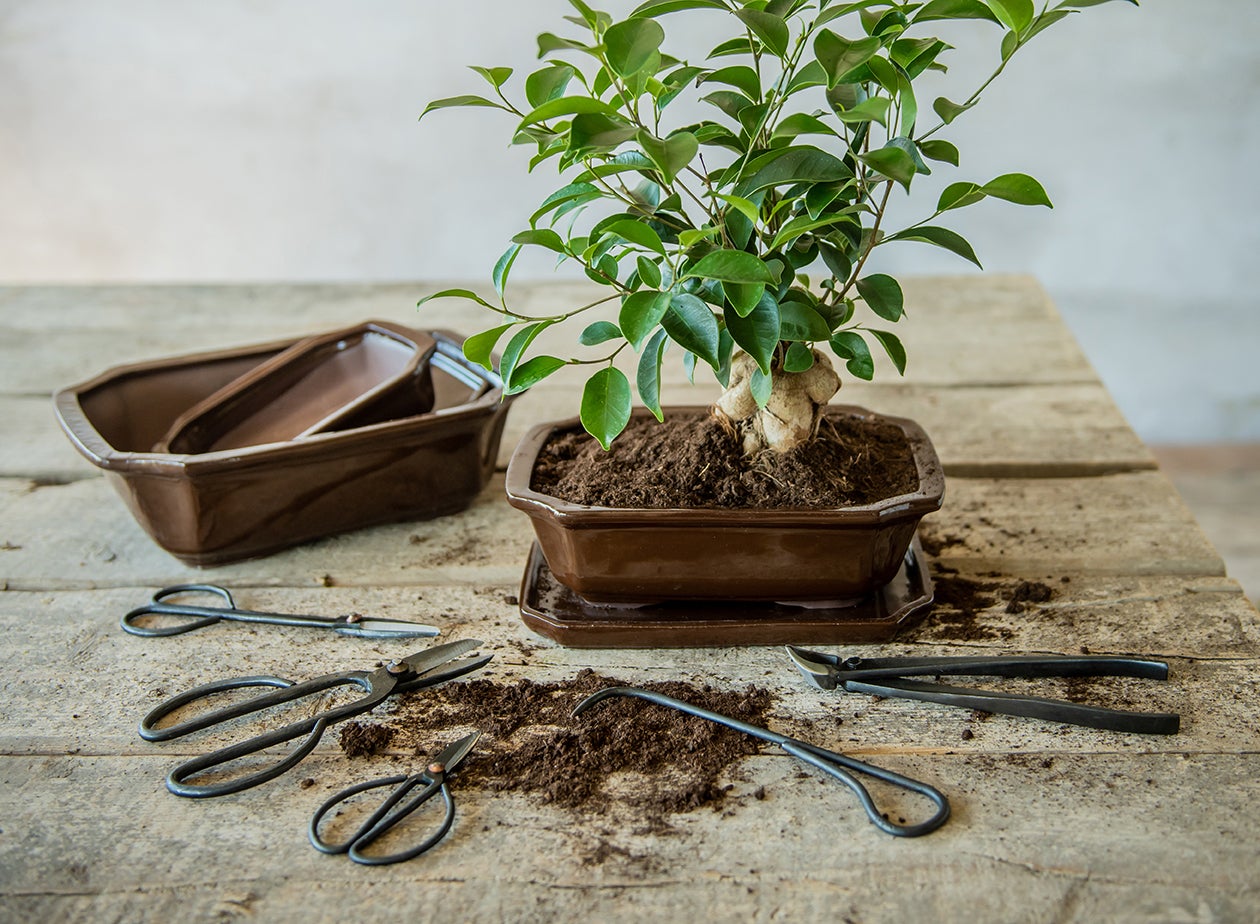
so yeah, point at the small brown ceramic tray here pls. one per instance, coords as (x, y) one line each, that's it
(553, 610)
(348, 378)
(221, 506)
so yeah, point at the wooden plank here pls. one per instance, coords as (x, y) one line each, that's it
(69, 644)
(1034, 838)
(1024, 431)
(78, 535)
(100, 327)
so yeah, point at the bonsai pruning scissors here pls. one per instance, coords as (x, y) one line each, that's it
(411, 673)
(888, 677)
(199, 616)
(836, 766)
(397, 806)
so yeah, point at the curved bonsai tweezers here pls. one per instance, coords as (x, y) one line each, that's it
(834, 765)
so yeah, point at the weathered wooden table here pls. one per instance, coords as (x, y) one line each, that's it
(1046, 483)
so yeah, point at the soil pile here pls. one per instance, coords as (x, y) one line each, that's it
(623, 750)
(698, 461)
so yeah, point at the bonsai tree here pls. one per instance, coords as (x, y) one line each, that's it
(703, 233)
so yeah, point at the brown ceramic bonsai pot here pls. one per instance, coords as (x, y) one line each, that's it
(645, 555)
(224, 505)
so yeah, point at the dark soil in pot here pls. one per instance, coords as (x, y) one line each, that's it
(697, 461)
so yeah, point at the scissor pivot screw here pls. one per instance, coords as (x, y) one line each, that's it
(354, 617)
(397, 667)
(436, 767)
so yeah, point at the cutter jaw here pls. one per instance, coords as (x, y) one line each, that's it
(815, 667)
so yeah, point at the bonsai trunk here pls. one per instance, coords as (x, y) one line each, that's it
(793, 411)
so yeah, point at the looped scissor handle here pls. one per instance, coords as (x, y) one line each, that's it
(287, 691)
(838, 767)
(194, 617)
(396, 807)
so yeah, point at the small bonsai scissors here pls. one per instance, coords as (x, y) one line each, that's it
(199, 616)
(397, 806)
(888, 677)
(410, 673)
(836, 766)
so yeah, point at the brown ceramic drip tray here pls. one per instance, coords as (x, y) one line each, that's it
(551, 609)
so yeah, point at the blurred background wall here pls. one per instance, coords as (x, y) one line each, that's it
(163, 140)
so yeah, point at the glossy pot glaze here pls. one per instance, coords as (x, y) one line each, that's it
(221, 506)
(643, 555)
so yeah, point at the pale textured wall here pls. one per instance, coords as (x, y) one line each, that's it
(277, 139)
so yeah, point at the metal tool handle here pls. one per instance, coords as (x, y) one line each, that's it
(1017, 666)
(1051, 710)
(195, 617)
(838, 767)
(400, 804)
(377, 685)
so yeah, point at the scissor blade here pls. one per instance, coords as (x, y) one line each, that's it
(388, 628)
(814, 667)
(453, 754)
(424, 661)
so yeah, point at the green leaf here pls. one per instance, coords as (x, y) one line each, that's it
(892, 346)
(745, 207)
(495, 76)
(840, 56)
(648, 377)
(883, 295)
(502, 268)
(851, 347)
(743, 297)
(533, 371)
(661, 7)
(936, 149)
(761, 385)
(800, 322)
(598, 332)
(636, 232)
(671, 154)
(835, 259)
(649, 272)
(799, 358)
(640, 313)
(457, 293)
(630, 45)
(959, 195)
(574, 192)
(740, 76)
(893, 162)
(804, 224)
(541, 237)
(1016, 15)
(1018, 188)
(954, 9)
(517, 346)
(948, 111)
(566, 105)
(802, 164)
(771, 29)
(874, 109)
(478, 347)
(802, 123)
(730, 266)
(455, 101)
(812, 74)
(941, 237)
(596, 130)
(691, 324)
(758, 333)
(606, 405)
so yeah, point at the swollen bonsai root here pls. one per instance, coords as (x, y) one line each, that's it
(792, 412)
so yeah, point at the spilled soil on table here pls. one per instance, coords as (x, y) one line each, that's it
(693, 460)
(622, 752)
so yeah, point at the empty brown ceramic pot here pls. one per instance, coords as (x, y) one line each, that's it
(644, 555)
(225, 505)
(349, 378)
